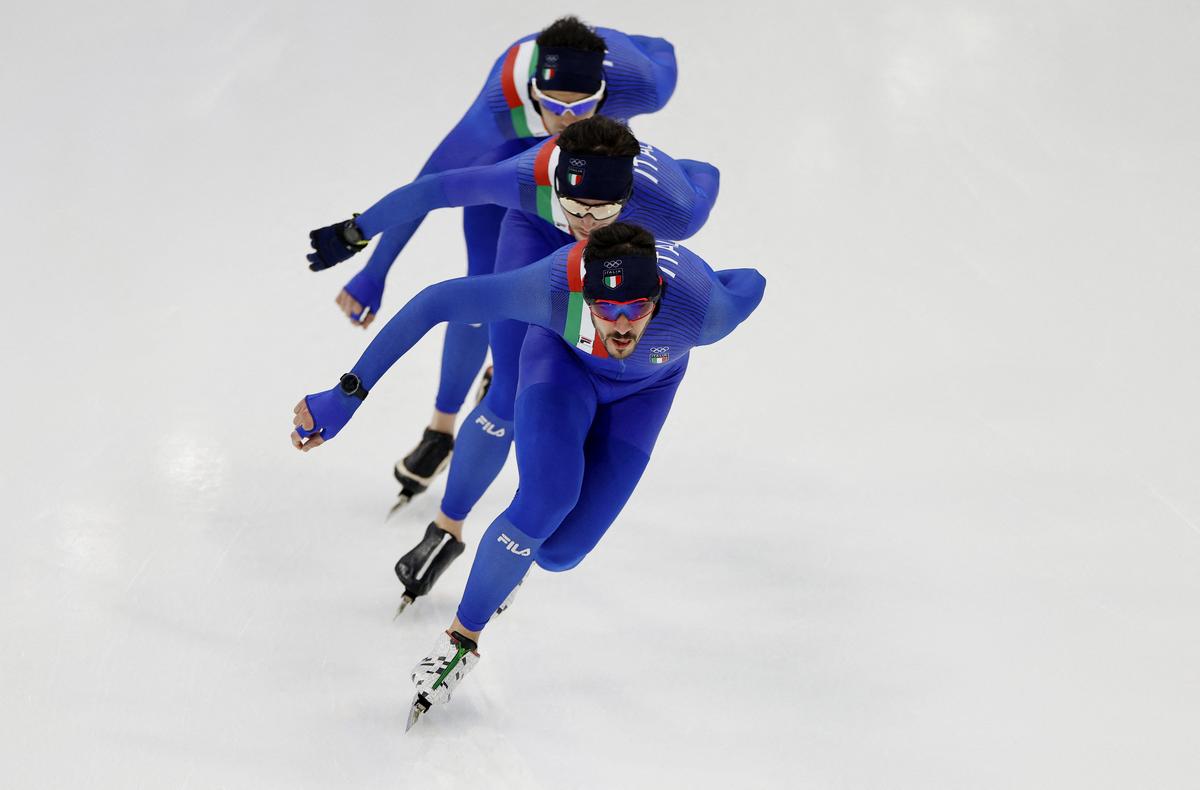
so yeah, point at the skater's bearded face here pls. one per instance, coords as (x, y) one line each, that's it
(620, 337)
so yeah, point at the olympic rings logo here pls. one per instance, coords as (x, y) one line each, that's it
(612, 264)
(578, 163)
(659, 349)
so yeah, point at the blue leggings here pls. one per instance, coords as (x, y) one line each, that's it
(465, 346)
(487, 433)
(580, 455)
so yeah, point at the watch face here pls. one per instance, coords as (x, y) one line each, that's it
(350, 383)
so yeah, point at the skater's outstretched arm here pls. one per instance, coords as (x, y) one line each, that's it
(520, 295)
(468, 186)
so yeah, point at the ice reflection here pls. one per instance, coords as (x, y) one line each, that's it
(194, 463)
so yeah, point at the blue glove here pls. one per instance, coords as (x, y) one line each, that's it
(333, 244)
(367, 291)
(330, 410)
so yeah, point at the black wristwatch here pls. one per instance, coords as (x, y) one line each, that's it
(351, 235)
(352, 385)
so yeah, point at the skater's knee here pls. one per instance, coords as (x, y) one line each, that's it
(545, 498)
(538, 512)
(557, 561)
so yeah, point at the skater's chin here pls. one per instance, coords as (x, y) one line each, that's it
(619, 347)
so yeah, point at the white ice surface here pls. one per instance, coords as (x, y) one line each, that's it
(930, 519)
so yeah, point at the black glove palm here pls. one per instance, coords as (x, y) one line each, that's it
(333, 244)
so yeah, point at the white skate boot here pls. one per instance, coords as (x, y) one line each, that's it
(438, 674)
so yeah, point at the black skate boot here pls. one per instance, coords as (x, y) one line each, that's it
(419, 569)
(425, 462)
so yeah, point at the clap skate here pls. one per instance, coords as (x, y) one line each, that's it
(438, 674)
(420, 568)
(418, 469)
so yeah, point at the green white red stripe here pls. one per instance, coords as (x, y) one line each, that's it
(577, 328)
(548, 207)
(519, 66)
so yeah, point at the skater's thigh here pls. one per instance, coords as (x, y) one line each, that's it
(481, 229)
(638, 418)
(612, 469)
(552, 422)
(616, 453)
(523, 240)
(506, 339)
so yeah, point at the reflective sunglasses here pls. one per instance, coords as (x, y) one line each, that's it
(580, 210)
(576, 108)
(634, 310)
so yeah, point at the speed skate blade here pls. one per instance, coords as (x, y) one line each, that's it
(419, 706)
(404, 602)
(403, 499)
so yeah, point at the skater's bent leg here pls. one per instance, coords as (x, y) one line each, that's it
(487, 432)
(481, 449)
(618, 448)
(554, 419)
(465, 345)
(463, 352)
(613, 471)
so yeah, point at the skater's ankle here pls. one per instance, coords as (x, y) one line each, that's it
(447, 524)
(462, 629)
(442, 422)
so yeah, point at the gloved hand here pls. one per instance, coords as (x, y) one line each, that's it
(321, 416)
(333, 244)
(366, 294)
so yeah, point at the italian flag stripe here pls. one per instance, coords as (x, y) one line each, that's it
(506, 79)
(548, 207)
(542, 173)
(575, 268)
(520, 125)
(519, 65)
(574, 310)
(577, 329)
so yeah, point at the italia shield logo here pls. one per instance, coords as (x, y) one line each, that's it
(574, 179)
(660, 355)
(547, 74)
(612, 280)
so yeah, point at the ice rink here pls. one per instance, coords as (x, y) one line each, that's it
(929, 519)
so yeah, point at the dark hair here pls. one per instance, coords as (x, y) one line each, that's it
(600, 136)
(570, 33)
(617, 239)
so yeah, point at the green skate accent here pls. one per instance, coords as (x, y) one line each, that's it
(462, 651)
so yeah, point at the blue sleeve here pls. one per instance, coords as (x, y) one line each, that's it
(469, 186)
(734, 296)
(671, 197)
(641, 72)
(520, 295)
(663, 67)
(705, 181)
